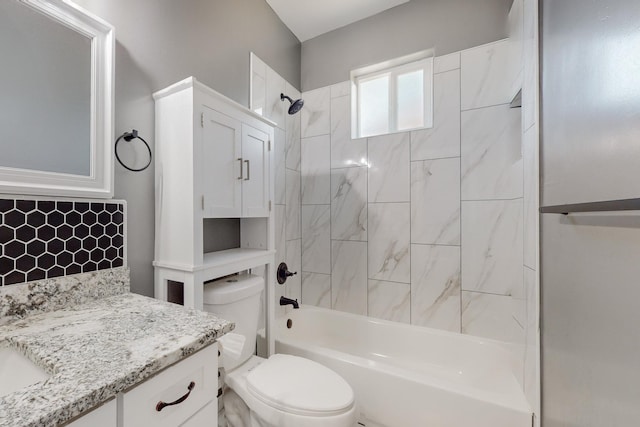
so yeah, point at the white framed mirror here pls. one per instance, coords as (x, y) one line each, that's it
(56, 100)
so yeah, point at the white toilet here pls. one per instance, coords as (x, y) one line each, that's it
(281, 391)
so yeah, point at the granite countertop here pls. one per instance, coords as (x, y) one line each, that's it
(97, 349)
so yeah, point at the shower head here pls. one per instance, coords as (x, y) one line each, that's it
(295, 105)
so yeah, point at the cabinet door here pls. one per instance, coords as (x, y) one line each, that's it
(255, 185)
(221, 165)
(104, 416)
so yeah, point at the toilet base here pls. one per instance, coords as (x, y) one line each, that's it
(237, 413)
(242, 409)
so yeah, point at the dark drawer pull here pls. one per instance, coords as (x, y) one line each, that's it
(161, 405)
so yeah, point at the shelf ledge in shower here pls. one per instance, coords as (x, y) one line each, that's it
(604, 206)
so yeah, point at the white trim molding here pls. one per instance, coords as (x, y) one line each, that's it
(99, 183)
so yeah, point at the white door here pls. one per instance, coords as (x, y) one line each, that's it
(255, 184)
(222, 165)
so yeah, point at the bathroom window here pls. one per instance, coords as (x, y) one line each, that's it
(393, 96)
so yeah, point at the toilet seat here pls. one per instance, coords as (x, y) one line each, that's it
(263, 403)
(300, 386)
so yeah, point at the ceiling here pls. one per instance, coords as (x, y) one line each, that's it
(310, 18)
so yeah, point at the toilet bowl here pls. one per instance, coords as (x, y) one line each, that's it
(305, 394)
(281, 391)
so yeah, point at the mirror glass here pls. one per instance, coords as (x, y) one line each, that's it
(45, 93)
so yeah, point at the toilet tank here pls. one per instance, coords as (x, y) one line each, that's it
(237, 299)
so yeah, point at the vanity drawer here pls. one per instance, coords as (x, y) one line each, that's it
(139, 406)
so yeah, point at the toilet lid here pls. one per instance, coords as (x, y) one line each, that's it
(300, 386)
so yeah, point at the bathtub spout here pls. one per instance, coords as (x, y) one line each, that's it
(287, 301)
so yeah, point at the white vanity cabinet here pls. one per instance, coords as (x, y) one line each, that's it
(191, 385)
(138, 406)
(103, 416)
(235, 173)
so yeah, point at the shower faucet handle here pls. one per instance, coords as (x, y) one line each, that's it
(283, 273)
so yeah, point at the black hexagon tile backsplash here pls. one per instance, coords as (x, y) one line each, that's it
(40, 239)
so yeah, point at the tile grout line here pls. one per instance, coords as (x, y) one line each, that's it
(461, 328)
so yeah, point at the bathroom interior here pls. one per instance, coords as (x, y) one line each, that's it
(262, 213)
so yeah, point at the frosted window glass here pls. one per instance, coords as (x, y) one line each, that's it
(410, 101)
(374, 106)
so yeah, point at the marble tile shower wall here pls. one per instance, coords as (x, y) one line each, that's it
(266, 87)
(422, 227)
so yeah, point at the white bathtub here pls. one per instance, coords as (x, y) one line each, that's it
(406, 376)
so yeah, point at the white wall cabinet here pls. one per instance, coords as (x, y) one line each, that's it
(213, 159)
(138, 405)
(235, 173)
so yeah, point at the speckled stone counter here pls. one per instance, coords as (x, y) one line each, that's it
(95, 350)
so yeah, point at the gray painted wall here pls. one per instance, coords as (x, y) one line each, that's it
(162, 41)
(445, 25)
(590, 150)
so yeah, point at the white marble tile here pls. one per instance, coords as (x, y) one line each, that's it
(443, 139)
(389, 237)
(291, 91)
(275, 107)
(349, 276)
(389, 301)
(531, 290)
(315, 115)
(281, 250)
(492, 246)
(530, 74)
(341, 89)
(316, 239)
(445, 63)
(435, 287)
(530, 151)
(488, 316)
(515, 33)
(280, 232)
(316, 289)
(316, 170)
(389, 168)
(349, 204)
(519, 314)
(279, 156)
(531, 373)
(486, 75)
(345, 152)
(293, 287)
(491, 153)
(532, 378)
(435, 202)
(293, 205)
(258, 65)
(258, 85)
(292, 150)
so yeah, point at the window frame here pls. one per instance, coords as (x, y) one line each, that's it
(394, 68)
